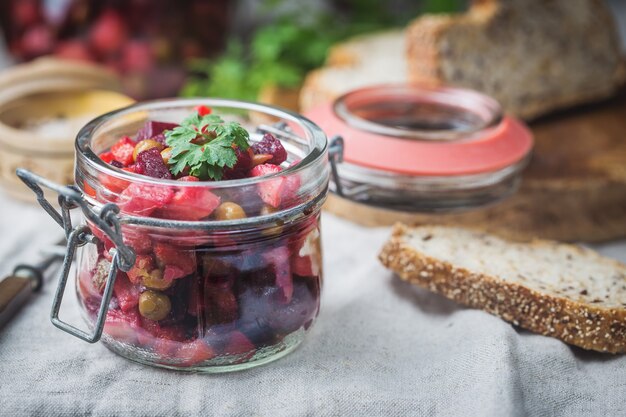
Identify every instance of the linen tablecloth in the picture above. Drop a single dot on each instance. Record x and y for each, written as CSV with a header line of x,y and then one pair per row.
x,y
380,347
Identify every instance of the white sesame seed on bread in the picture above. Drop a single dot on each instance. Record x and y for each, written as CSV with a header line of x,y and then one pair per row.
x,y
555,289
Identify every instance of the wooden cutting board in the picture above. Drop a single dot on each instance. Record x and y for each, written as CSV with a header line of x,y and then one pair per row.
x,y
574,188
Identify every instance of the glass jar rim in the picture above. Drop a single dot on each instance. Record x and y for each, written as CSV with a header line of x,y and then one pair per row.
x,y
84,151
484,108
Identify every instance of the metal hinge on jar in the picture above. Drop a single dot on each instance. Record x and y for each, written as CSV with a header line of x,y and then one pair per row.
x,y
107,220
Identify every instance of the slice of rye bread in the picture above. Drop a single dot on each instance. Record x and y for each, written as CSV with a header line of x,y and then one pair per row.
x,y
554,289
534,56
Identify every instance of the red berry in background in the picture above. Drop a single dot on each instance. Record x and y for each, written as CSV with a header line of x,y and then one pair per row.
x,y
190,49
137,56
269,145
25,12
37,41
108,33
73,49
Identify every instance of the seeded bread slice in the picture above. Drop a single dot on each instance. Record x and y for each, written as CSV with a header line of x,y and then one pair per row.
x,y
534,56
554,289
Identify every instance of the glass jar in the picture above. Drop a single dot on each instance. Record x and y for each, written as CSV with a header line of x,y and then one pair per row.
x,y
189,292
421,149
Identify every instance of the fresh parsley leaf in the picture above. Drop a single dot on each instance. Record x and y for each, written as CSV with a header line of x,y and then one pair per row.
x,y
206,145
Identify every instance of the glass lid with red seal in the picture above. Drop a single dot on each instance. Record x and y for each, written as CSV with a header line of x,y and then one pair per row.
x,y
423,148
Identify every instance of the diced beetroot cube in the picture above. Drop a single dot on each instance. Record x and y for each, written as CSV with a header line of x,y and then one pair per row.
x,y
122,326
287,318
222,305
190,203
176,333
289,191
177,263
239,344
144,199
154,332
279,259
276,191
172,272
123,150
307,258
153,128
127,294
107,157
89,190
264,169
140,242
192,353
150,163
167,342
269,145
194,305
148,331
304,266
114,184
269,191
143,265
241,167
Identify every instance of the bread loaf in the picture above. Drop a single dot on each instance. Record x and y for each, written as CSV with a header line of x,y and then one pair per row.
x,y
554,289
534,56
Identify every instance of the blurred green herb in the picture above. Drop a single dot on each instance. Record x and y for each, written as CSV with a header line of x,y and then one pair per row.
x,y
442,6
282,52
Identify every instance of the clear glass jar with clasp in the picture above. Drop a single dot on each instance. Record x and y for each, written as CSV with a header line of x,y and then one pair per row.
x,y
200,295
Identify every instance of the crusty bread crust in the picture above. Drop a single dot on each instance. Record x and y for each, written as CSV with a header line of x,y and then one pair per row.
x,y
579,324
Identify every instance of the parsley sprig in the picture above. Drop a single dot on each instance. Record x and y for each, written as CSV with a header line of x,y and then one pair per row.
x,y
206,145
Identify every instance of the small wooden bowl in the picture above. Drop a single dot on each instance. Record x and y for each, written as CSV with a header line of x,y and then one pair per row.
x,y
48,89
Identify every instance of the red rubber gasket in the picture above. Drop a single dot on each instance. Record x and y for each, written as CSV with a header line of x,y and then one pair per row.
x,y
490,150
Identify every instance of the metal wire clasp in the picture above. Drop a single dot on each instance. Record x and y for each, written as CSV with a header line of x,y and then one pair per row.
x,y
106,220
